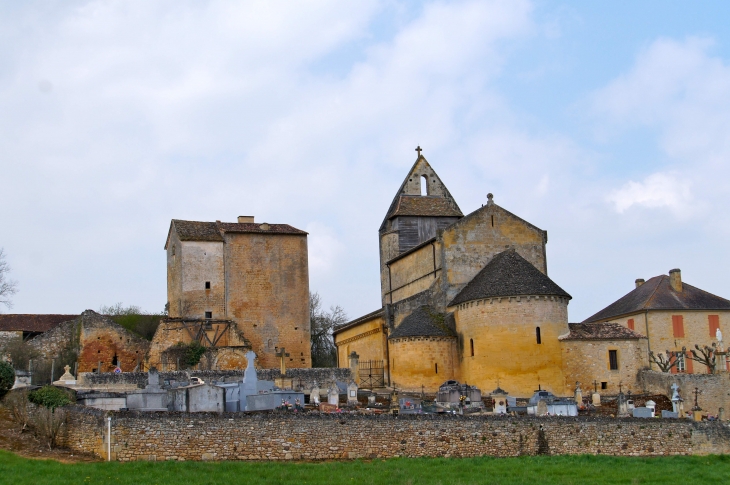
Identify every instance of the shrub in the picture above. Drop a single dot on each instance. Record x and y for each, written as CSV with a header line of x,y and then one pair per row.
x,y
7,377
17,403
50,397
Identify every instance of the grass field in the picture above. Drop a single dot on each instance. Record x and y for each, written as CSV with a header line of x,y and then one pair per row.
x,y
530,470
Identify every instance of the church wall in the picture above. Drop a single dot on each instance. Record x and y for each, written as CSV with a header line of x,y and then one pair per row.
x,y
267,283
202,262
415,272
388,251
367,339
586,361
472,242
505,343
696,324
413,362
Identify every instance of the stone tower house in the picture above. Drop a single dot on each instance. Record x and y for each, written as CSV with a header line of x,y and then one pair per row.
x,y
250,280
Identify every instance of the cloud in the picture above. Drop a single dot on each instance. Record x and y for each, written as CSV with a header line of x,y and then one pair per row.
x,y
657,190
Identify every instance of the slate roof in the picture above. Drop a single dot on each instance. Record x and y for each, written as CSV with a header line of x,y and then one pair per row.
x,y
424,321
213,231
32,322
508,274
419,205
352,323
657,294
600,331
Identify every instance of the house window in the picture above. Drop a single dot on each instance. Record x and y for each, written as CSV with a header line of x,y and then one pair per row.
x,y
424,185
613,359
604,385
209,315
678,326
207,285
681,363
537,335
714,324
630,324
471,344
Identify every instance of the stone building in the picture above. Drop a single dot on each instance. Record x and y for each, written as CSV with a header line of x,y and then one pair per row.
x,y
670,314
100,343
237,287
469,298
27,326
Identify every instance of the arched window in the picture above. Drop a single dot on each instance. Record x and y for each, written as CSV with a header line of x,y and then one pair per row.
x,y
424,185
471,344
537,334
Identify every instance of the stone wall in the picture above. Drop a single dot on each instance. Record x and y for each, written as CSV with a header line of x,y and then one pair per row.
x,y
275,436
714,388
423,361
307,377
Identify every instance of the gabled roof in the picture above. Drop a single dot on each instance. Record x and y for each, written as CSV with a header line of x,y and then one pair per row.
x,y
437,206
424,321
213,231
32,322
353,323
658,294
600,331
508,274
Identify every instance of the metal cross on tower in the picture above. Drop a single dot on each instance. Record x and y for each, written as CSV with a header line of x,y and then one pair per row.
x,y
282,354
419,150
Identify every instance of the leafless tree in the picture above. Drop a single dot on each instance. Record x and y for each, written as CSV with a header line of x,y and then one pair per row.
x,y
324,352
665,364
8,287
704,355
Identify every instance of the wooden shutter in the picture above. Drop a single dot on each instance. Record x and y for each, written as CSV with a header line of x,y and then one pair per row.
x,y
678,326
673,370
688,362
714,324
631,323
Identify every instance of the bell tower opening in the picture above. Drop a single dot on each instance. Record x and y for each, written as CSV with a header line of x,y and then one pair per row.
x,y
424,185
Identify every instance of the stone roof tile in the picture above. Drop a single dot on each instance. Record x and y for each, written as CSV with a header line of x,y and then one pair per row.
x,y
424,321
600,331
32,322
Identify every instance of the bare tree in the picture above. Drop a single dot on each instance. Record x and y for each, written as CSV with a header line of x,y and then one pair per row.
x,y
665,364
704,355
7,287
324,351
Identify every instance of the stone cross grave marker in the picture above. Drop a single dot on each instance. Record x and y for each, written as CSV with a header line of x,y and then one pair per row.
x,y
282,354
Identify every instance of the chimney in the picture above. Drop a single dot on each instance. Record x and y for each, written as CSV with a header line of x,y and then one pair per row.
x,y
640,282
675,279
245,219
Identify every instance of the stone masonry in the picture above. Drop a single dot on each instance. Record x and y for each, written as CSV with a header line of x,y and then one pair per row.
x,y
275,436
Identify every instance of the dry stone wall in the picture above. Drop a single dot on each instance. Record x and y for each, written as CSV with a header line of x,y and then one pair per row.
x,y
714,388
278,436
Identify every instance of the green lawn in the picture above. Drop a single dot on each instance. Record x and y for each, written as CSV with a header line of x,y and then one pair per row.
x,y
530,470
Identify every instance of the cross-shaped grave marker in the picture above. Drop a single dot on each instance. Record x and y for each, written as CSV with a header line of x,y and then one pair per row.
x,y
282,354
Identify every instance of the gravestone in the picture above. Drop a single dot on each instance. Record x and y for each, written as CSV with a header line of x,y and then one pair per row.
x,y
333,394
542,408
643,413
314,395
22,379
67,379
578,394
669,414
596,399
352,394
152,397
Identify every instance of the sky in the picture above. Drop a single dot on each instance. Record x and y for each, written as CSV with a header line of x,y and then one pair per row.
x,y
606,123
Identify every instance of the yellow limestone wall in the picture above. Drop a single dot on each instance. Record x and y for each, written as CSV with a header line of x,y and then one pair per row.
x,y
586,361
413,362
415,272
505,344
367,339
661,332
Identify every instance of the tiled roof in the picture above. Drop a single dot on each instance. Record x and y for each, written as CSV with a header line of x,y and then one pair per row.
x,y
424,321
32,322
213,231
657,294
352,323
600,331
508,274
415,205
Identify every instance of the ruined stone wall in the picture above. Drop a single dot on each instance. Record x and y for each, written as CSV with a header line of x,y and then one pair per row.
x,y
7,336
473,241
423,361
307,377
415,272
103,340
505,343
714,388
51,343
587,361
274,436
267,281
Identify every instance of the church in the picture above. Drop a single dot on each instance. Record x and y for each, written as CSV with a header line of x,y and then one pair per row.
x,y
468,297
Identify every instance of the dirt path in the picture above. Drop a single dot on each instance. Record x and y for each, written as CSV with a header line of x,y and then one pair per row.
x,y
26,445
